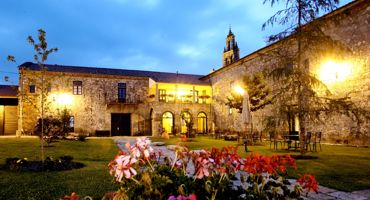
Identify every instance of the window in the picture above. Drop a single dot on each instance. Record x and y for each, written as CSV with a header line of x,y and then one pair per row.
x,y
77,87
162,95
32,88
196,96
202,123
168,122
121,92
204,96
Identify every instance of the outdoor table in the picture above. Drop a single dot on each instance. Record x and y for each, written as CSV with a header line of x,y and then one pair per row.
x,y
292,138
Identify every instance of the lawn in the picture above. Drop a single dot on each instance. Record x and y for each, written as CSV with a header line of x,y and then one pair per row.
x,y
343,168
340,167
93,180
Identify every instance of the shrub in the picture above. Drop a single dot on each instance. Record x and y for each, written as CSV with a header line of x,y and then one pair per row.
x,y
82,138
49,164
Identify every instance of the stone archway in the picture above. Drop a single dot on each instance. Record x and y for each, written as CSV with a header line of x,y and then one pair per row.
x,y
202,123
168,122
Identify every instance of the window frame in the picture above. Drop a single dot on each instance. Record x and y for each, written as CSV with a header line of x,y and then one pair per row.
x,y
77,88
32,88
122,92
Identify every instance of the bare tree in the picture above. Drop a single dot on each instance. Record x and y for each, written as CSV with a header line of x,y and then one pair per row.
x,y
41,55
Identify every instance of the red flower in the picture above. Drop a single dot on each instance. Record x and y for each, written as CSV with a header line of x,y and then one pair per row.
x,y
256,163
72,197
308,182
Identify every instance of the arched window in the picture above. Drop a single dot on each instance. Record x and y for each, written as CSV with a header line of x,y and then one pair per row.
x,y
202,123
167,122
185,118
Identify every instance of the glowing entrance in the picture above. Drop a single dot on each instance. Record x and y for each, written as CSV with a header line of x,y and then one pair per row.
x,y
167,122
202,123
185,116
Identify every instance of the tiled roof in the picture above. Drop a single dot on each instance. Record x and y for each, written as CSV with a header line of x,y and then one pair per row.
x,y
8,90
163,77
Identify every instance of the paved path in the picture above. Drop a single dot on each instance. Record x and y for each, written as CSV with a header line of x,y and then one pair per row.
x,y
325,193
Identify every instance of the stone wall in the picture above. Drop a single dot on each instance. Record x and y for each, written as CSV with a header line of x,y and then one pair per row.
x,y
176,109
91,110
352,30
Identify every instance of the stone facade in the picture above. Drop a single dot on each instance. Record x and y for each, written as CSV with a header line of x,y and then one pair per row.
x,y
145,96
352,29
92,109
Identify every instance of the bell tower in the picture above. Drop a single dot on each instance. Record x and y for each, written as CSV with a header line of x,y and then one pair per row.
x,y
231,51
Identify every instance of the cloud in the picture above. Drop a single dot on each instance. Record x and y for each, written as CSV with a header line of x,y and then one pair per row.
x,y
147,4
188,51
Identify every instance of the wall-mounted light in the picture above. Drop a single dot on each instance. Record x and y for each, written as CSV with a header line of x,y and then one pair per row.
x,y
239,90
64,99
332,71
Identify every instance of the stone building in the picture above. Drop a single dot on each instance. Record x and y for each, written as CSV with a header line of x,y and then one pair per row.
x,y
130,102
349,25
114,101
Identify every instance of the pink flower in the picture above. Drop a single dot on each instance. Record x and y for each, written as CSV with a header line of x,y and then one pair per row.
x,y
123,167
183,197
202,164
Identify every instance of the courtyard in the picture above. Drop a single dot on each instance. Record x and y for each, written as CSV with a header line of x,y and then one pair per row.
x,y
343,168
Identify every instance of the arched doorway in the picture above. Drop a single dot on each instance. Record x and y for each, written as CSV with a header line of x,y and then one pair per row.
x,y
185,118
167,122
202,123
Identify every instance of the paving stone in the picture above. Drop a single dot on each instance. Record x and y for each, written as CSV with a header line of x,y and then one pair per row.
x,y
346,195
364,193
323,189
321,196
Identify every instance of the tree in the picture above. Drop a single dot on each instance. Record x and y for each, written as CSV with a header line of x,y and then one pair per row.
x,y
41,55
258,90
297,89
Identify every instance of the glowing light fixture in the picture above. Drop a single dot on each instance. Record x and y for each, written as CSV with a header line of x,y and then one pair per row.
x,y
64,99
331,71
239,90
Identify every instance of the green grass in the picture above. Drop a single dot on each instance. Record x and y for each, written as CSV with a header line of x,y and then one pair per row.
x,y
338,167
93,180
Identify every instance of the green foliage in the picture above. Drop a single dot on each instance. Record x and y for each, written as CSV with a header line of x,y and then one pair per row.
x,y
50,164
295,14
189,123
53,127
258,90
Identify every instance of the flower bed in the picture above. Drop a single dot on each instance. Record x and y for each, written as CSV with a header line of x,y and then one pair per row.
x,y
49,164
143,173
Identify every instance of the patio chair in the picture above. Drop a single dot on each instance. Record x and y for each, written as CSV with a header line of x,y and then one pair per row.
x,y
257,136
316,140
307,141
274,140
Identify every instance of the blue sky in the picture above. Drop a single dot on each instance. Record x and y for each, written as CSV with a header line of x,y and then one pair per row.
x,y
157,35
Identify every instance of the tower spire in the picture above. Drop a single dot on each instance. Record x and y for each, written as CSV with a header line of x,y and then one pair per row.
x,y
231,51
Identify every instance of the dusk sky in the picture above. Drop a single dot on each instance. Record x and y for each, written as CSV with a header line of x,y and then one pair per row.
x,y
155,35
